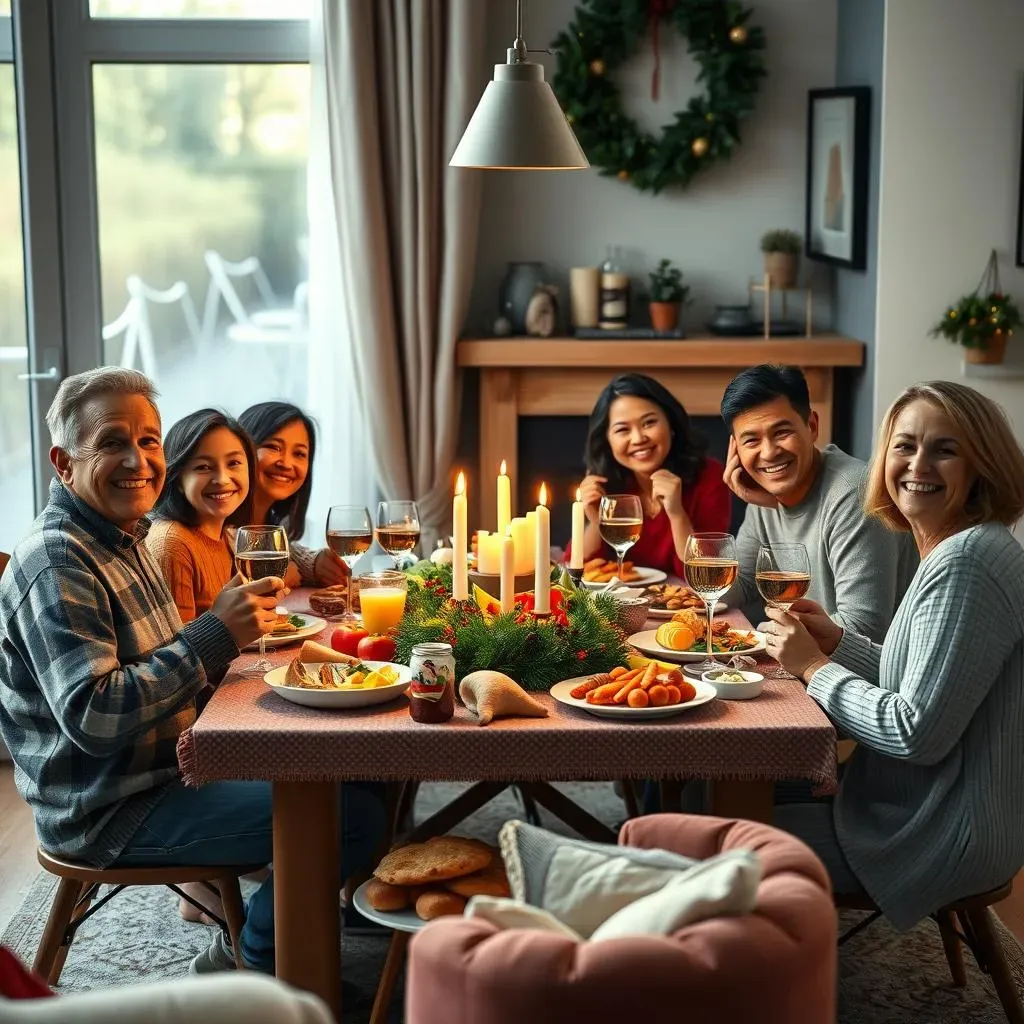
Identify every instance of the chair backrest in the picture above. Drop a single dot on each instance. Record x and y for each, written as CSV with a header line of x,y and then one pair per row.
x,y
221,273
4,559
178,292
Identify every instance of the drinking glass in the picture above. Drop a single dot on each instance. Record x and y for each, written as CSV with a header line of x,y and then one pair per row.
x,y
261,551
398,528
782,573
620,520
382,600
711,568
349,536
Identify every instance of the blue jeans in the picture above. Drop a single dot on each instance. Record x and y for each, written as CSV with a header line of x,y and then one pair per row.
x,y
230,823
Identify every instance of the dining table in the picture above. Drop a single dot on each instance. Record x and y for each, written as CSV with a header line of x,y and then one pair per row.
x,y
248,731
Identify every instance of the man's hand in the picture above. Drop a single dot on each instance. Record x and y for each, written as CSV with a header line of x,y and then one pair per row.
x,y
591,493
248,610
329,569
667,488
739,481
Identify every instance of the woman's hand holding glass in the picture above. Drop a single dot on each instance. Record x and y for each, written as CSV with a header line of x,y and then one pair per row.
x,y
791,644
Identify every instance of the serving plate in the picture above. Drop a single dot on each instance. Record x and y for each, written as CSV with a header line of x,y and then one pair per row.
x,y
339,699
667,613
561,693
312,625
642,578
645,641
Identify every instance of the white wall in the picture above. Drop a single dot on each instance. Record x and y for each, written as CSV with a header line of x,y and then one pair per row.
x,y
949,182
711,229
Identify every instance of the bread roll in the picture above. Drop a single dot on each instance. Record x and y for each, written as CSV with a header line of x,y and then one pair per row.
x,y
382,896
437,903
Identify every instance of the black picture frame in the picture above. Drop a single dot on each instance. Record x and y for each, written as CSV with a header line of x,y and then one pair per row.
x,y
838,169
1019,260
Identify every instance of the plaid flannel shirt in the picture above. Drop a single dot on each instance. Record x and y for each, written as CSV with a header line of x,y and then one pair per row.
x,y
98,678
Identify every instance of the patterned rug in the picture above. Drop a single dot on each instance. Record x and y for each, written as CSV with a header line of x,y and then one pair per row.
x,y
885,977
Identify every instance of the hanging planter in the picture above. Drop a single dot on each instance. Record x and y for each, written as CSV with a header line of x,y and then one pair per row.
x,y
983,321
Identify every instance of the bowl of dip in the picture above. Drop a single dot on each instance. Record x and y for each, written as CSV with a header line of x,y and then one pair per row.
x,y
734,683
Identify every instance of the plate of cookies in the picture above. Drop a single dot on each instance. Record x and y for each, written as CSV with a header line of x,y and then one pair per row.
x,y
599,572
651,691
418,882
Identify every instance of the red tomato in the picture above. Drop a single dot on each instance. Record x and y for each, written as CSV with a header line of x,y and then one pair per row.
x,y
345,639
376,648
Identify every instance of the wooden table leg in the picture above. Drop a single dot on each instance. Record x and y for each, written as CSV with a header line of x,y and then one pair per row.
x,y
389,976
307,872
752,799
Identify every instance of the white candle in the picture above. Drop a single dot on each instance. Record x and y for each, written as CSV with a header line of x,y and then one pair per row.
x,y
578,523
521,540
486,564
460,538
508,577
531,540
542,557
504,501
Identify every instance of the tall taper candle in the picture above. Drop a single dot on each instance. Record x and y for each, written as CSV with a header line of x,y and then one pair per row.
x,y
460,539
542,557
504,501
578,524
508,572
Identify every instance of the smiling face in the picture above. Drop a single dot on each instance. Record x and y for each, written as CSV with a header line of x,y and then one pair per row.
x,y
215,480
639,434
927,473
118,467
283,461
776,448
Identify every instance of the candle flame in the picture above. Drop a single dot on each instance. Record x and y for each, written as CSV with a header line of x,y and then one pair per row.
x,y
543,500
503,471
579,494
460,483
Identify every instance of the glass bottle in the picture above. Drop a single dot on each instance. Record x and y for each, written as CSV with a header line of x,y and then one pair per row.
x,y
613,311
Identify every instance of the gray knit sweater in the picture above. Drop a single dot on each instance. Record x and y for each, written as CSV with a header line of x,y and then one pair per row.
x,y
929,808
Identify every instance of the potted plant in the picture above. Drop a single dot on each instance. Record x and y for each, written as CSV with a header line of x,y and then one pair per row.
x,y
781,250
668,293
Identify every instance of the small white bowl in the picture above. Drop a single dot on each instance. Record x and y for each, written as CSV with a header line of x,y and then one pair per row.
x,y
753,683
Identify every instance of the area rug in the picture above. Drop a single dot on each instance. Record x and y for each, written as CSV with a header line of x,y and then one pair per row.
x,y
885,977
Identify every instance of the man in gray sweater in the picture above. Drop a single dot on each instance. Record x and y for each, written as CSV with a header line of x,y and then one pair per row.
x,y
796,492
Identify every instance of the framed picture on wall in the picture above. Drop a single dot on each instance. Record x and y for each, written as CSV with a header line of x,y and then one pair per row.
x,y
838,136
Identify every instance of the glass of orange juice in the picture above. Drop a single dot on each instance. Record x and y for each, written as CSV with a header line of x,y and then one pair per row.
x,y
382,600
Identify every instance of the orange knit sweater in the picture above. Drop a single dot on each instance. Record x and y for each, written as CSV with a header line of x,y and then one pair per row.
x,y
195,566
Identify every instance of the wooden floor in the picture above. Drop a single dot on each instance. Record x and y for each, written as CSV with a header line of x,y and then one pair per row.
x,y
18,864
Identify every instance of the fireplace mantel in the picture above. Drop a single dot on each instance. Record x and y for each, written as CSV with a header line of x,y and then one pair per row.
x,y
563,377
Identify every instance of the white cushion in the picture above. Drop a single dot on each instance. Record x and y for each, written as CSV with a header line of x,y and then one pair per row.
x,y
504,913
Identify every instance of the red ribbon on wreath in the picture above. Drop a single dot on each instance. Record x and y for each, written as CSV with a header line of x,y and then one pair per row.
x,y
656,10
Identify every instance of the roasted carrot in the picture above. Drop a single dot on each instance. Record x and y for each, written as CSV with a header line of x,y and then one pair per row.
x,y
650,674
592,683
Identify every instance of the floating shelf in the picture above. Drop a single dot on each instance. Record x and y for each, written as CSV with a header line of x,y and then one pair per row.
x,y
994,371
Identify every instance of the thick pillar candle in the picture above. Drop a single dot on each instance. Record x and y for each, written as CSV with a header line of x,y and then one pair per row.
x,y
578,524
522,540
542,557
460,539
508,574
504,501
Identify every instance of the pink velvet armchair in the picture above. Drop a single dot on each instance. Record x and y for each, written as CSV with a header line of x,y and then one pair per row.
x,y
774,966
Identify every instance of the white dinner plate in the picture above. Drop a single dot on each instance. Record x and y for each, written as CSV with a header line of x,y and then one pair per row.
x,y
667,613
312,625
643,578
397,920
561,693
647,643
339,698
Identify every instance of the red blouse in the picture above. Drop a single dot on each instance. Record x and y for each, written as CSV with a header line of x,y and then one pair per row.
x,y
708,503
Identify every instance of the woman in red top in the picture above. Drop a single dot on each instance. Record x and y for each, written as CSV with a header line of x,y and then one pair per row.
x,y
640,442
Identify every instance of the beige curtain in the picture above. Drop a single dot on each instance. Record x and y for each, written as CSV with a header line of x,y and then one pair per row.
x,y
403,78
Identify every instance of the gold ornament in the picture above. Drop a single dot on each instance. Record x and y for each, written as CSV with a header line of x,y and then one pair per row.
x,y
994,309
952,314
709,118
597,67
623,175
738,35
699,146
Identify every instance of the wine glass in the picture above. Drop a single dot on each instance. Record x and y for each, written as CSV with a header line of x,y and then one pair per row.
x,y
782,573
711,568
620,520
349,535
398,528
261,551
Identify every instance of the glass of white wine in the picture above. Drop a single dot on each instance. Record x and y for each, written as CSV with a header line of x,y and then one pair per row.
x,y
261,551
398,528
349,536
782,573
711,568
620,520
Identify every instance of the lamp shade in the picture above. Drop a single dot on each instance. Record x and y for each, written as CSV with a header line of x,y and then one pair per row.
x,y
518,125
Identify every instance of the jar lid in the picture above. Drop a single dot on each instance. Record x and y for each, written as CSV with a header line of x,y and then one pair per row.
x,y
432,648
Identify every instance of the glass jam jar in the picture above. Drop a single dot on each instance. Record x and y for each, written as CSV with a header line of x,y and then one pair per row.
x,y
432,691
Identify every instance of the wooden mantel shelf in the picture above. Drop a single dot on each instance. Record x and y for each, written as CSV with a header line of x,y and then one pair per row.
x,y
513,353
564,376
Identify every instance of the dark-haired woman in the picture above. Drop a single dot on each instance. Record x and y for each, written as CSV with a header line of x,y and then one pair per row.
x,y
285,439
210,465
640,442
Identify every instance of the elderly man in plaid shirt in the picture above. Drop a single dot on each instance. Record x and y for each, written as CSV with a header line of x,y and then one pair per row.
x,y
98,677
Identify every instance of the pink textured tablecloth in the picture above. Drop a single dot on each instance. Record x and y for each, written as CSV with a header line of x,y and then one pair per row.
x,y
249,732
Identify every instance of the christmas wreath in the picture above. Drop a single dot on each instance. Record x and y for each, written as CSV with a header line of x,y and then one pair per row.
x,y
580,636
605,33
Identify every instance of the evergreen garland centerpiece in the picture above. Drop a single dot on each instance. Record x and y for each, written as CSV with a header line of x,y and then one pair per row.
x,y
604,34
579,637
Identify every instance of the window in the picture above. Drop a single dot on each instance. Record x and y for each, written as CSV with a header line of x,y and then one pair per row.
x,y
250,9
